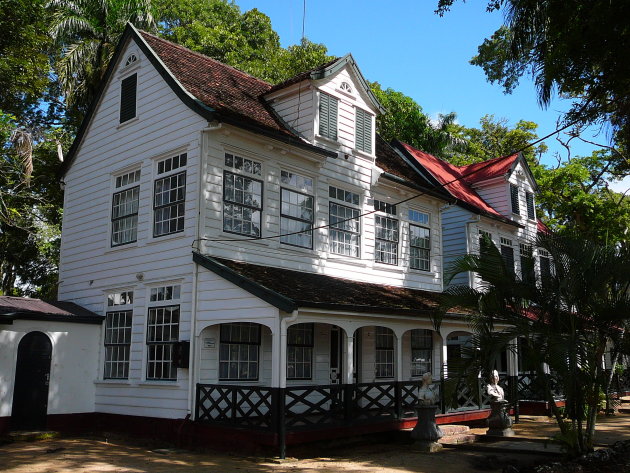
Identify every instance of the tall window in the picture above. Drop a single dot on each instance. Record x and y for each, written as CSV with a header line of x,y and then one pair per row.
x,y
125,208
516,208
363,131
300,351
297,210
328,106
531,211
485,239
242,196
545,266
169,196
508,254
128,89
384,362
345,225
386,230
419,241
527,263
421,350
239,351
162,332
118,320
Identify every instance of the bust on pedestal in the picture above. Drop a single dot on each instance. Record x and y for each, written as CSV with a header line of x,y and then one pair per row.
x,y
426,433
499,422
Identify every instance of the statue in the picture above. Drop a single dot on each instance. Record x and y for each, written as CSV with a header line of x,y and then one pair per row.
x,y
493,389
426,433
426,396
499,422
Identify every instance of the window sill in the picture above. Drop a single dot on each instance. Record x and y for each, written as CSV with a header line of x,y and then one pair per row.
x,y
128,122
363,154
171,236
127,246
392,268
160,384
113,382
332,257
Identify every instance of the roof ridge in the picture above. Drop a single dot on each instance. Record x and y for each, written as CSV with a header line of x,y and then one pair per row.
x,y
497,159
196,53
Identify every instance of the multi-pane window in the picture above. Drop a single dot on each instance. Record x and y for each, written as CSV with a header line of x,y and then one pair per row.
x,y
531,211
242,196
125,208
527,263
120,298
117,344
300,351
516,208
384,361
363,131
328,106
162,333
239,351
485,239
128,88
386,232
507,252
296,210
169,197
421,350
165,293
419,248
545,266
345,225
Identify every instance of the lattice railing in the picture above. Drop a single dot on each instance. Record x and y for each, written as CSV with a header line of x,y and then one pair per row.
x,y
242,405
314,405
375,400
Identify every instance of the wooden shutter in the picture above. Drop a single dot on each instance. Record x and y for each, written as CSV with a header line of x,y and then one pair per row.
x,y
128,87
531,213
327,116
363,131
514,198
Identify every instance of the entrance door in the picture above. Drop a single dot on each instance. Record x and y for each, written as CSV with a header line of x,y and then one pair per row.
x,y
336,357
32,376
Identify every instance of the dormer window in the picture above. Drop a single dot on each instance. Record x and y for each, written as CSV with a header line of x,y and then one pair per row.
x,y
345,87
363,131
328,109
531,211
131,59
516,208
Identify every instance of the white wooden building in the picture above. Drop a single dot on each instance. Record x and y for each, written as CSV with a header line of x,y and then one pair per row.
x,y
261,257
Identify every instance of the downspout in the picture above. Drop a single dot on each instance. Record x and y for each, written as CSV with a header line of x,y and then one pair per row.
x,y
193,316
282,382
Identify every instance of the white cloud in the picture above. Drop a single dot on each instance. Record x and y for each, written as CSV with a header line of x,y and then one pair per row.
x,y
621,186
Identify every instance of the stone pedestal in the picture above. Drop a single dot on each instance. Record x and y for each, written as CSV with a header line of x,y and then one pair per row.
x,y
499,422
426,433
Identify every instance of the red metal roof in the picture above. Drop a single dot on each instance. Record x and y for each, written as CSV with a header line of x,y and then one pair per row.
x,y
452,178
489,169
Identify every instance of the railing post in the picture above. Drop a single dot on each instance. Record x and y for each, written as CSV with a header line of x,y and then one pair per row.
x,y
278,419
233,406
348,401
513,380
442,393
197,399
480,392
398,399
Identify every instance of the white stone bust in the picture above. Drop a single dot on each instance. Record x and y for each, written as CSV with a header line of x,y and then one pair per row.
x,y
426,397
494,390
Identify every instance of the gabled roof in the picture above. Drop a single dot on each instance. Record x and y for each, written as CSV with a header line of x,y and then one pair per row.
x,y
210,88
489,169
12,308
290,290
328,69
453,179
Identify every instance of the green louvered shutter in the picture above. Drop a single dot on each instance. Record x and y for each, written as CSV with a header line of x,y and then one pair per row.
x,y
363,131
128,88
327,116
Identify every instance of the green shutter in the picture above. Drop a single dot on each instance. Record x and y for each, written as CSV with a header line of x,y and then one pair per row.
x,y
128,88
363,131
328,116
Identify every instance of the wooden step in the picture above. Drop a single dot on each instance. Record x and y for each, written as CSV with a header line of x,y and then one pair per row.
x,y
451,429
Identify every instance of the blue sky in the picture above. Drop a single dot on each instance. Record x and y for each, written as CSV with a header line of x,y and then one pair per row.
x,y
404,45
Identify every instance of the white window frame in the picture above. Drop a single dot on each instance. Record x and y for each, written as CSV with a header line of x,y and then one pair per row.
x,y
422,220
386,233
170,303
292,183
334,232
418,368
255,173
177,172
384,353
123,182
118,302
300,353
250,346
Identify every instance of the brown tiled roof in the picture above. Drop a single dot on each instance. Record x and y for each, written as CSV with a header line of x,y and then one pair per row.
x,y
227,90
326,292
302,76
27,308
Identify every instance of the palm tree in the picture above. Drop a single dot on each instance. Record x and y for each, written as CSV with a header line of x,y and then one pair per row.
x,y
565,320
88,32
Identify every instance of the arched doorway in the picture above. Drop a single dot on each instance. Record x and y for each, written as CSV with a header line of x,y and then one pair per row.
x,y
32,376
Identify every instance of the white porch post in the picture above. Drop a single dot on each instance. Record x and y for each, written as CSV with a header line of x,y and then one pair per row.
x,y
348,362
512,358
279,356
444,358
399,357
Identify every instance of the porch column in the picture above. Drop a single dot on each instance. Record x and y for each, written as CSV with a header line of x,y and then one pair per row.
x,y
348,361
399,357
444,357
512,358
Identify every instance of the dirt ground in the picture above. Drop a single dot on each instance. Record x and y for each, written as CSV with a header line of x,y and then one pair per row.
x,y
94,455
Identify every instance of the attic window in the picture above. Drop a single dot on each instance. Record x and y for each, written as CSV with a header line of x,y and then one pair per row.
x,y
128,87
131,59
345,87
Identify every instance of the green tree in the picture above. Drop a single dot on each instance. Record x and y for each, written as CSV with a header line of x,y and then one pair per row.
x,y
87,32
295,59
404,120
569,46
565,321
